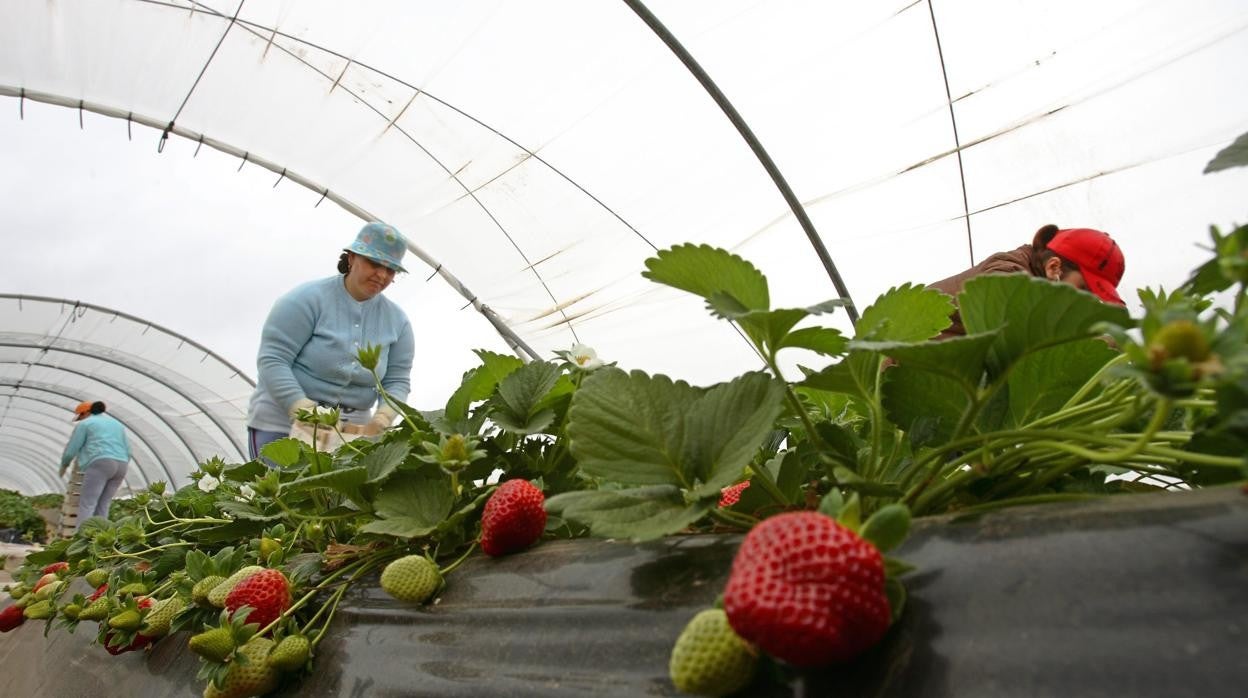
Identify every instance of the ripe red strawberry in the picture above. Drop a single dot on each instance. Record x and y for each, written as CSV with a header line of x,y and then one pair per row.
x,y
267,592
807,590
11,617
56,567
731,494
100,591
513,519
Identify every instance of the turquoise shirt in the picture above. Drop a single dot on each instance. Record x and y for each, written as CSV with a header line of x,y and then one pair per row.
x,y
95,437
308,350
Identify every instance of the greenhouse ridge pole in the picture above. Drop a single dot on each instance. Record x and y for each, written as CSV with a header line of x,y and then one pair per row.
x,y
768,164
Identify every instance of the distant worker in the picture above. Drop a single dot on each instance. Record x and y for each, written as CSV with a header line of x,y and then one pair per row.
x,y
309,343
1087,259
99,443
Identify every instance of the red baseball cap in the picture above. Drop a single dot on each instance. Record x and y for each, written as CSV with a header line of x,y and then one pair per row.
x,y
1098,257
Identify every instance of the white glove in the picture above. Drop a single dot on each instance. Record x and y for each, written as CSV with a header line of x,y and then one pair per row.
x,y
380,422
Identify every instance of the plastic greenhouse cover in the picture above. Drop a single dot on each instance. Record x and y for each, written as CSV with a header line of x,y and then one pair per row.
x,y
535,154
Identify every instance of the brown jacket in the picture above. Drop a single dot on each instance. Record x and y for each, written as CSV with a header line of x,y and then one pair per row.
x,y
1019,261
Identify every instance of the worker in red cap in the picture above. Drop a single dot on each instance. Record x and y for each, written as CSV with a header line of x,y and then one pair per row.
x,y
1087,259
100,446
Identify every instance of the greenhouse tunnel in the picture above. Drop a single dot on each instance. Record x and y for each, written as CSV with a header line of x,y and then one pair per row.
x,y
536,155
180,402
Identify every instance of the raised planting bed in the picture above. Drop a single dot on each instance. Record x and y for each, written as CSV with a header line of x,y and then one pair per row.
x,y
1125,596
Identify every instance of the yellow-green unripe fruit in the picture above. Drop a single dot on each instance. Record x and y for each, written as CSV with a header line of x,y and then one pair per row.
x,y
414,578
1179,339
709,659
290,654
199,593
158,620
39,610
216,597
96,577
253,677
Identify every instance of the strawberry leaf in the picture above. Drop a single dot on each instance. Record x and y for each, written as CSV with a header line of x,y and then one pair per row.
x,y
705,271
887,527
629,427
1031,314
640,514
479,383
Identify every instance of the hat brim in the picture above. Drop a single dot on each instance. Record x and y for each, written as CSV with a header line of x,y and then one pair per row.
x,y
388,263
1103,289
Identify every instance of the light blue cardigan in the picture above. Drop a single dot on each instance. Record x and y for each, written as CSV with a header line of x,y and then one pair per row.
x,y
95,437
308,349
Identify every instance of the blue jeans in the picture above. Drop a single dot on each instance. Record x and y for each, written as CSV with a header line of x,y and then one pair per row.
x,y
100,481
257,439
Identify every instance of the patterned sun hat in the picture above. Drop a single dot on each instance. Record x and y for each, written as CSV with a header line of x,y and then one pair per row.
x,y
381,243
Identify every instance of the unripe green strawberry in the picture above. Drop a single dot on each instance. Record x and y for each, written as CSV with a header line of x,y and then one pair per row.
x,y
126,620
39,610
215,644
268,546
96,577
26,600
216,597
96,610
17,591
709,659
46,580
413,578
133,588
290,654
156,624
71,611
49,590
199,593
251,678
1180,339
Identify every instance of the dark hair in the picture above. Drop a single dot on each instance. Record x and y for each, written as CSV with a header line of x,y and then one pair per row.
x,y
343,267
1040,248
97,407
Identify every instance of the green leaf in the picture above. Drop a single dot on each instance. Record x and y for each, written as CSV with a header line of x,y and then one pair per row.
x,y
479,383
629,427
850,515
525,387
958,358
705,271
725,427
896,593
832,503
906,313
639,514
887,527
227,533
1233,155
347,481
246,472
380,462
854,375
853,481
1042,382
1031,314
822,340
244,510
926,405
535,424
415,501
284,452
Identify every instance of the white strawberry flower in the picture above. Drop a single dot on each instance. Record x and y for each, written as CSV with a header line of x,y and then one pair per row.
x,y
584,357
208,483
247,493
